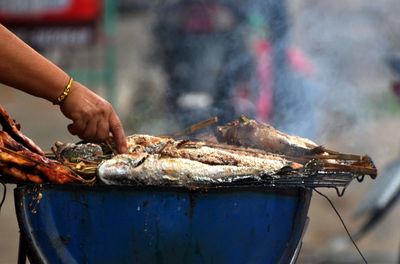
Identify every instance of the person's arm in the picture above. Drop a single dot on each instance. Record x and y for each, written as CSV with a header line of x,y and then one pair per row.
x,y
23,68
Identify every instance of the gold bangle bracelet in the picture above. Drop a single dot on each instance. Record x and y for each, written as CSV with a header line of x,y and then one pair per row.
x,y
66,91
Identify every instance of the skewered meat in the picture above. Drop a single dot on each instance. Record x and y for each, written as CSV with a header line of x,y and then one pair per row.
x,y
13,129
249,133
19,162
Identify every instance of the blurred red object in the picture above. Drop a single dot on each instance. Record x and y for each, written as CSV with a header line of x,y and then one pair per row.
x,y
49,12
206,18
396,89
298,62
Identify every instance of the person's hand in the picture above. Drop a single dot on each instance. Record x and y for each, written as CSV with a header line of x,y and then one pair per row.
x,y
93,117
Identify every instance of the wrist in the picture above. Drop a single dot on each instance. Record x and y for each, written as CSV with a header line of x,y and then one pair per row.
x,y
76,90
65,93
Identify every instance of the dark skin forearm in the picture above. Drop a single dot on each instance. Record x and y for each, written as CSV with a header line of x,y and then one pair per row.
x,y
21,67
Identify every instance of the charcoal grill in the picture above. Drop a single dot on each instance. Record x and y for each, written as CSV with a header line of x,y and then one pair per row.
x,y
253,220
155,224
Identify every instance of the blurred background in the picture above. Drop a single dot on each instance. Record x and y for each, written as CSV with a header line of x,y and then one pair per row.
x,y
326,70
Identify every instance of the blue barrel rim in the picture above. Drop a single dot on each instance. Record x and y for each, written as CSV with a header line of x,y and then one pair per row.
x,y
288,256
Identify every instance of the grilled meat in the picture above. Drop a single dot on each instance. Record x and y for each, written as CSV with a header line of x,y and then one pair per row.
x,y
155,160
13,129
249,133
22,160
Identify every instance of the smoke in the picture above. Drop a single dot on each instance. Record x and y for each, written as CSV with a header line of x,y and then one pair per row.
x,y
347,43
323,92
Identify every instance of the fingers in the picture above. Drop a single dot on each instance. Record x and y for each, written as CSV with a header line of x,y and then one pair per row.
x,y
118,133
93,117
90,131
98,129
103,131
77,127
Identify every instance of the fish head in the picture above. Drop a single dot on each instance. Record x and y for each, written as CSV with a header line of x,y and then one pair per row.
x,y
119,167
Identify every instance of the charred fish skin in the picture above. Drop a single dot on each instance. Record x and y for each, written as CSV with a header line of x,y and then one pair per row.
x,y
164,161
185,163
119,168
249,133
77,152
147,143
155,170
204,153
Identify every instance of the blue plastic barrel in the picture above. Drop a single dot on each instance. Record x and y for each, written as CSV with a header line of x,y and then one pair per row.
x,y
114,224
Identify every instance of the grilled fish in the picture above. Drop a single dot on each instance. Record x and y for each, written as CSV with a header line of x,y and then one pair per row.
x,y
249,133
159,160
269,157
